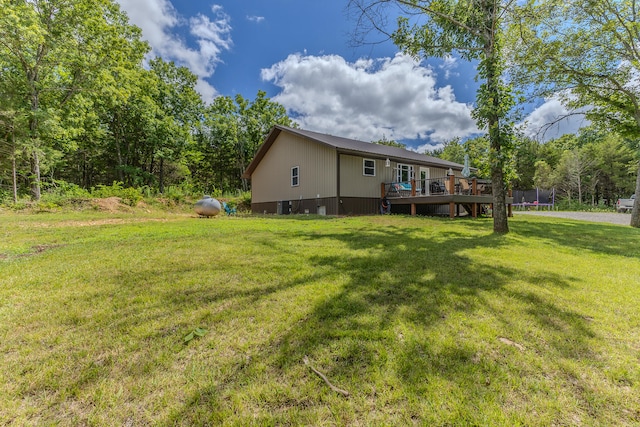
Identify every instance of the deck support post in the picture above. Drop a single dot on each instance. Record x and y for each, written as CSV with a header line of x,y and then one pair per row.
x,y
413,209
452,210
452,183
382,188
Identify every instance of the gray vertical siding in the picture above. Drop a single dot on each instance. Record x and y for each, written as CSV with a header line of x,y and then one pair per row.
x,y
353,182
319,179
271,181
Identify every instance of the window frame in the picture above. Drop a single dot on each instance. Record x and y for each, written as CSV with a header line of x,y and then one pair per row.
x,y
295,178
403,168
365,167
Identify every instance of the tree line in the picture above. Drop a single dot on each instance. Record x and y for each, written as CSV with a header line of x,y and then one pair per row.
x,y
592,168
584,53
80,102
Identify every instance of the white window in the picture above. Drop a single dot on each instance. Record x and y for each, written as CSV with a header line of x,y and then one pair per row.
x,y
368,167
405,173
295,176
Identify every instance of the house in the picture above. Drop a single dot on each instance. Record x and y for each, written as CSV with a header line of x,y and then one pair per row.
x,y
299,171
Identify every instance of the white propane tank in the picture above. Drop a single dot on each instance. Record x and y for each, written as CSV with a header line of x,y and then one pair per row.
x,y
207,206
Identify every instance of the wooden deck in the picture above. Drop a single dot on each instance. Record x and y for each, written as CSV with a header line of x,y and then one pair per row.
x,y
472,197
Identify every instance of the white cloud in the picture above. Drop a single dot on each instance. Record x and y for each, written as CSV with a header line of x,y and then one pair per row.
x,y
429,148
163,27
395,97
256,19
449,64
552,120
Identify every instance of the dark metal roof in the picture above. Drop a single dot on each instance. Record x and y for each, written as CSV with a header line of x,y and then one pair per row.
x,y
351,146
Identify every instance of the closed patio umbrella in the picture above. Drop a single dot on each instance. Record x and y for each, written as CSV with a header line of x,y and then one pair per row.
x,y
466,172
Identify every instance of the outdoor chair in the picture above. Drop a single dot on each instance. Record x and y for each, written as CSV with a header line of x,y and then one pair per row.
x,y
465,188
449,186
229,210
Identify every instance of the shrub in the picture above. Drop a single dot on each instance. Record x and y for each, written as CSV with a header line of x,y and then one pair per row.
x,y
6,197
130,196
574,205
176,194
244,201
65,189
57,193
104,191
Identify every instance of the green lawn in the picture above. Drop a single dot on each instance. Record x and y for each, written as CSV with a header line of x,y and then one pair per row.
x,y
422,320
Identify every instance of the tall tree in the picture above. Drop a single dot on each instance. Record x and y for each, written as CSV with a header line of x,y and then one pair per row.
x,y
478,150
178,112
9,126
543,177
233,130
473,30
53,49
587,54
525,159
572,171
612,161
452,150
389,142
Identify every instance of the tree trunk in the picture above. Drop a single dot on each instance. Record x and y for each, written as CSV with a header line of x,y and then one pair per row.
x,y
13,168
161,176
499,190
116,139
35,175
33,129
492,101
85,171
579,190
635,212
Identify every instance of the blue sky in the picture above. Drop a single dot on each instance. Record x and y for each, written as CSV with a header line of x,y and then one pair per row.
x,y
301,53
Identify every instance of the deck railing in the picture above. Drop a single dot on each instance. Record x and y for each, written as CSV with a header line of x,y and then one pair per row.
x,y
436,187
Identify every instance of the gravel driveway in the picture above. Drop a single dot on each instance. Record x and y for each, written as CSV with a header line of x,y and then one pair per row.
x,y
610,217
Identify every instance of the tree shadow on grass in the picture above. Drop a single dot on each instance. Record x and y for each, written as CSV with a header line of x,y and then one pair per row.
x,y
405,300
408,303
582,236
425,280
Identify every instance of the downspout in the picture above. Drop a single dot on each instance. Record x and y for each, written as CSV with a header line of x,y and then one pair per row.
x,y
338,201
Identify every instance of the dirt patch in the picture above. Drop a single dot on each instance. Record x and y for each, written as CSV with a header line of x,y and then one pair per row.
x,y
97,222
93,222
110,204
41,248
37,249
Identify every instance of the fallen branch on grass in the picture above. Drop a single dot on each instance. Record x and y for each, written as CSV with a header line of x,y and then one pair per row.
x,y
507,341
321,375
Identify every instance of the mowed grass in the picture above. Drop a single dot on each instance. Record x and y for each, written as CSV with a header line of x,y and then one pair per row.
x,y
423,321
